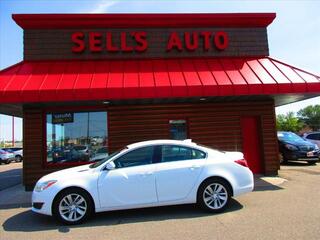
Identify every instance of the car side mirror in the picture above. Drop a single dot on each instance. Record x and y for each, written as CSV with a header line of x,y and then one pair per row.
x,y
110,166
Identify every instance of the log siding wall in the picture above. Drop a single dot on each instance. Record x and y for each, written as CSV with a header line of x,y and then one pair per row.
x,y
212,124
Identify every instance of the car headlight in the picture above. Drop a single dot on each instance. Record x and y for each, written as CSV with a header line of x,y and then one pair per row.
x,y
291,147
44,185
316,147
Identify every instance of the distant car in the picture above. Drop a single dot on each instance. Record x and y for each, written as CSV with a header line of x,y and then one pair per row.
x,y
313,137
6,156
100,154
145,174
295,148
66,155
85,151
17,151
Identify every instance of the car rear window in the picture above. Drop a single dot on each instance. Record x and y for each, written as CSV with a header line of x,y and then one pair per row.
x,y
314,136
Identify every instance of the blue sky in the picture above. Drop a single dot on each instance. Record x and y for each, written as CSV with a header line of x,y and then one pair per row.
x,y
294,37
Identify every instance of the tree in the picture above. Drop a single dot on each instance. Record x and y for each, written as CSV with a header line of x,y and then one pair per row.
x,y
288,122
310,116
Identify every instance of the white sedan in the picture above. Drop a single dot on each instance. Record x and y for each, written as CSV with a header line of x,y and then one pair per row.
x,y
145,174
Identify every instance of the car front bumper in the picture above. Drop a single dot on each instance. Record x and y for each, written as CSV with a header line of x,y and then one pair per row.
x,y
10,159
302,156
42,202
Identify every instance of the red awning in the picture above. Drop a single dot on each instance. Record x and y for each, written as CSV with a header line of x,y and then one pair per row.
x,y
47,81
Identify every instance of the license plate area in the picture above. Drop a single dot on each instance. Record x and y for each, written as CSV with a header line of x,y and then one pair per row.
x,y
310,154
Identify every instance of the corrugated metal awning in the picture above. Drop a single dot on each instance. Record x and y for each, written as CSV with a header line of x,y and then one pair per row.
x,y
47,81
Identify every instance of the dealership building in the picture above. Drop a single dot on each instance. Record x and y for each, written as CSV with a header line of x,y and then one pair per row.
x,y
90,84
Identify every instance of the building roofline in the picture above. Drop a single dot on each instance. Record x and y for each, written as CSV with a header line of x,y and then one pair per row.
x,y
127,20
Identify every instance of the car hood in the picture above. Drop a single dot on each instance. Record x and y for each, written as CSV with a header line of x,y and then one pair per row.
x,y
67,173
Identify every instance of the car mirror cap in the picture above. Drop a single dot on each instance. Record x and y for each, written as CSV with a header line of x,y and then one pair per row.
x,y
110,166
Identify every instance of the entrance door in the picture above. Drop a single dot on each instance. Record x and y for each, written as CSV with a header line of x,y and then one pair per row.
x,y
251,143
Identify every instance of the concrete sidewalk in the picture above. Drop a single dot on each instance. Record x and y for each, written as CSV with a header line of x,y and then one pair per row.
x,y
15,197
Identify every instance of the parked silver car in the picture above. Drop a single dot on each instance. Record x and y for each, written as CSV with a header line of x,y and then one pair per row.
x,y
17,151
313,137
6,157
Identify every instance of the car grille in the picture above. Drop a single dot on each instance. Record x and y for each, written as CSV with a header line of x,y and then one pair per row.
x,y
306,148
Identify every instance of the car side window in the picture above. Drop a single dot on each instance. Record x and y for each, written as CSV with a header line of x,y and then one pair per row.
x,y
197,154
171,153
313,136
137,157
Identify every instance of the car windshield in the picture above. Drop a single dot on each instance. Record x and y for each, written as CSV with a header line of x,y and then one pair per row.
x,y
289,137
99,163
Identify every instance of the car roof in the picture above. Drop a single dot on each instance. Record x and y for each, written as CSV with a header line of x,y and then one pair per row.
x,y
187,142
308,133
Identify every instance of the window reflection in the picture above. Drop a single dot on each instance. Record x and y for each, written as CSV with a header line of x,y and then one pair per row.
x,y
76,137
178,129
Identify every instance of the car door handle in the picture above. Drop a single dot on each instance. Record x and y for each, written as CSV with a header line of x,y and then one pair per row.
x,y
146,174
193,167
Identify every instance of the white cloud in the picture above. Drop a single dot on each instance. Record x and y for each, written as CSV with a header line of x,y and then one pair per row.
x,y
103,6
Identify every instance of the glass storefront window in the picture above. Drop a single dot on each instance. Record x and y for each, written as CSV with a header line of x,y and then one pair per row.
x,y
75,137
178,129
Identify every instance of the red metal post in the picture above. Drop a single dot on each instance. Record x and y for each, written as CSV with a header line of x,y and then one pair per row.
x,y
12,131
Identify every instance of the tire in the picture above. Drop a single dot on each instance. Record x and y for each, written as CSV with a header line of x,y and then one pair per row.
x,y
282,159
311,162
7,161
214,195
72,214
18,158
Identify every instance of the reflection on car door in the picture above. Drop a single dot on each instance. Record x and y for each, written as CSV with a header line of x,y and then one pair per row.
x,y
131,183
177,172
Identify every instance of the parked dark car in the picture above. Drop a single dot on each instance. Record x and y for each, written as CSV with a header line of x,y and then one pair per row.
x,y
294,148
66,154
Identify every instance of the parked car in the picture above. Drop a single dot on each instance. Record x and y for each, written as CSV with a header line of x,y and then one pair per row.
x,y
85,151
145,174
17,151
295,148
6,157
313,137
67,154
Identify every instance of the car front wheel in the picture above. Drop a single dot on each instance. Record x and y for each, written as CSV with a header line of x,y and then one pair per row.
x,y
214,195
72,206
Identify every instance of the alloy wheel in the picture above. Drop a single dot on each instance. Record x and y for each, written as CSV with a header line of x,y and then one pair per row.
x,y
73,207
215,196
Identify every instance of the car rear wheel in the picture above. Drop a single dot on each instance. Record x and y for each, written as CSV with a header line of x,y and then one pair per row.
x,y
214,195
311,162
18,158
72,206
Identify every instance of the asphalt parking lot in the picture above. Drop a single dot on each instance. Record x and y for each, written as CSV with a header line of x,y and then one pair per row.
x,y
10,175
277,209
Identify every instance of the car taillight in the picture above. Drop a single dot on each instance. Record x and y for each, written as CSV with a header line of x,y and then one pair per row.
x,y
242,162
